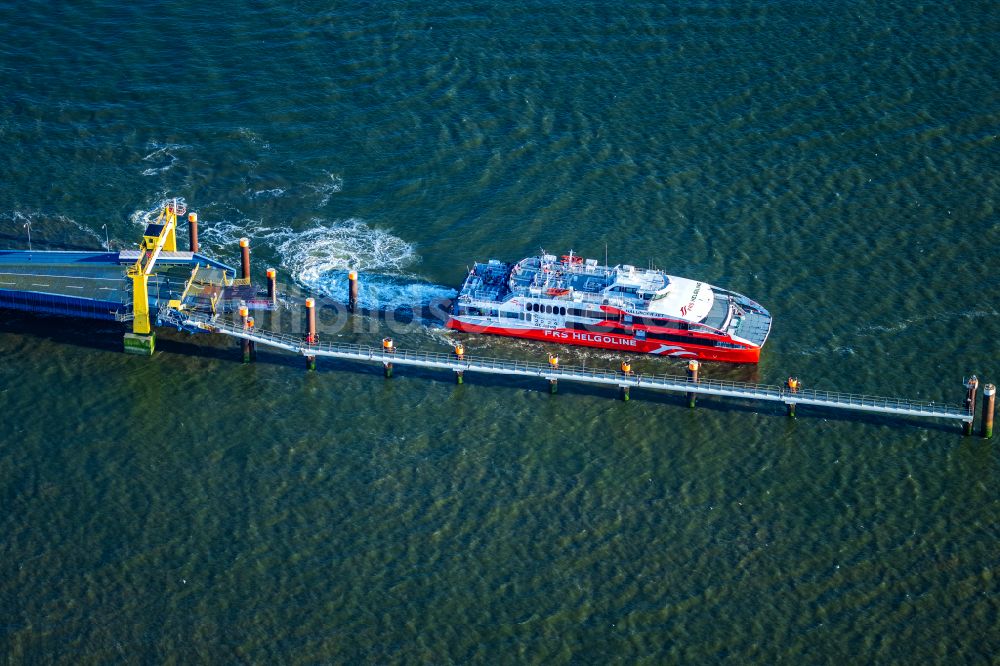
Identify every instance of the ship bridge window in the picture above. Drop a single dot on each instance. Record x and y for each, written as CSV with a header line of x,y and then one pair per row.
x,y
548,309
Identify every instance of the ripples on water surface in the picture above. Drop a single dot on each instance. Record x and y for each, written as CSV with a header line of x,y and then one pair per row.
x,y
837,162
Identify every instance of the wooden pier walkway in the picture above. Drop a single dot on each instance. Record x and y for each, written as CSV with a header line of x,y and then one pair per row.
x,y
671,383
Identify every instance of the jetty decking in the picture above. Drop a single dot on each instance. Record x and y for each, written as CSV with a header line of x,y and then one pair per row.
x,y
671,383
90,285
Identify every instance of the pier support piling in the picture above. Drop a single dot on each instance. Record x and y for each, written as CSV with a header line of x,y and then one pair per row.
x,y
193,231
253,345
553,386
272,286
244,343
311,331
460,355
352,291
989,404
971,385
245,257
388,347
692,373
137,343
623,391
793,387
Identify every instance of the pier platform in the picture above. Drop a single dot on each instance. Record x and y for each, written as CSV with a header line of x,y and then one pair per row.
x,y
196,321
90,285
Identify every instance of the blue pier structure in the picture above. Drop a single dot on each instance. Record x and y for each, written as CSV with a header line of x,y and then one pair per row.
x,y
92,285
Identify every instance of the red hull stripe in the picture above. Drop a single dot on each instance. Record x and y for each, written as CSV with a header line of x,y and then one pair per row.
x,y
616,342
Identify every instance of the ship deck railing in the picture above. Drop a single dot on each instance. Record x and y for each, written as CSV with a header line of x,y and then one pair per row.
x,y
664,382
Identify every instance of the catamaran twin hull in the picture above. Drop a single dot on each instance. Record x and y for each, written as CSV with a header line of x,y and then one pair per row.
x,y
572,301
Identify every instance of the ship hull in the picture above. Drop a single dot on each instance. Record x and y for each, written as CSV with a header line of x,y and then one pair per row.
x,y
616,342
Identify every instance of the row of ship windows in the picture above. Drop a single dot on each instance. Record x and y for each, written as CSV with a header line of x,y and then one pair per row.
x,y
552,309
563,311
598,314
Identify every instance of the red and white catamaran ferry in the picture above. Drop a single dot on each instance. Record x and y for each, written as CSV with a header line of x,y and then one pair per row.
x,y
574,301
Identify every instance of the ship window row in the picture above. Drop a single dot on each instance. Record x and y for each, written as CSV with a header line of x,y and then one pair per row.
x,y
640,334
488,312
546,309
627,319
596,314
564,311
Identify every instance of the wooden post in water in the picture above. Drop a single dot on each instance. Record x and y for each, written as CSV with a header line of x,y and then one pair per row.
x,y
692,372
193,231
352,290
989,404
244,343
793,387
245,257
388,347
970,404
311,334
272,286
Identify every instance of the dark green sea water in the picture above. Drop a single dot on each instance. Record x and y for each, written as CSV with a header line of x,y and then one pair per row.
x,y
838,162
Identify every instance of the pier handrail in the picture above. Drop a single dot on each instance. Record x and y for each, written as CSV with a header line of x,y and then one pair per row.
x,y
665,381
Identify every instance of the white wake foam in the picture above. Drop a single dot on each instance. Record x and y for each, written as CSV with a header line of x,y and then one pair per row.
x,y
272,193
327,187
143,216
319,257
164,155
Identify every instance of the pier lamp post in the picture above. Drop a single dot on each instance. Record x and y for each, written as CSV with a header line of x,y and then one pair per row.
x,y
107,242
27,225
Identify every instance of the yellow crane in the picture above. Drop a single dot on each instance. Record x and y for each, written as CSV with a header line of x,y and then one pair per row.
x,y
159,236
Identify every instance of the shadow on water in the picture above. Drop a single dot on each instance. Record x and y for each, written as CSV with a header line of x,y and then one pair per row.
x,y
84,333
